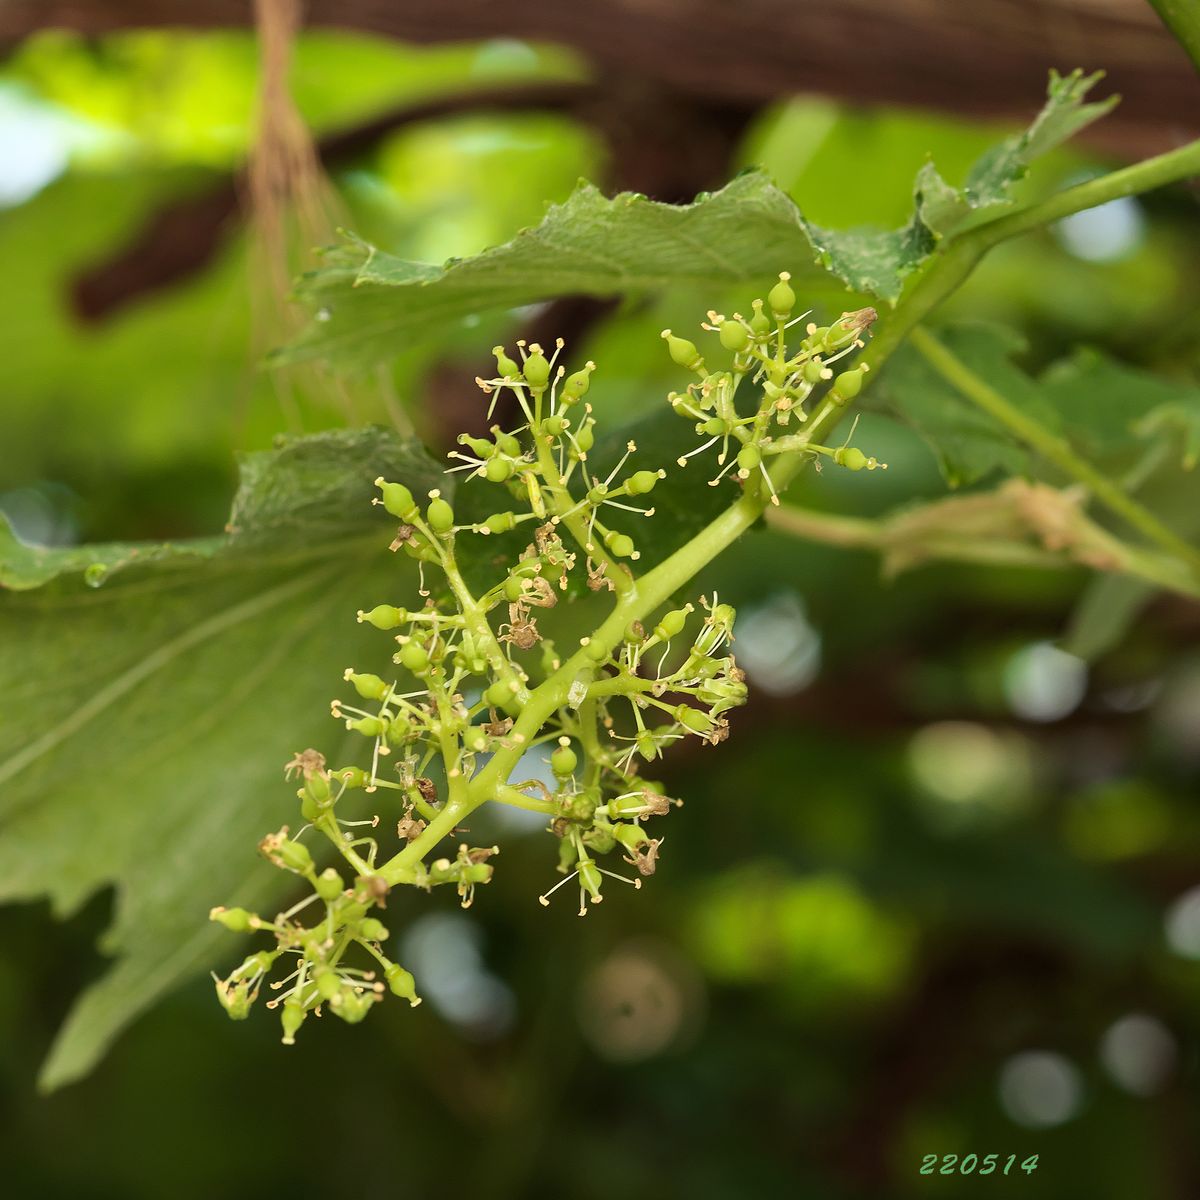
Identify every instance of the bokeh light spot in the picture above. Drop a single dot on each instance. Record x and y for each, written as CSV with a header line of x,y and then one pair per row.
x,y
777,647
1106,233
639,1001
969,771
1044,683
1139,1052
1040,1089
1183,924
443,950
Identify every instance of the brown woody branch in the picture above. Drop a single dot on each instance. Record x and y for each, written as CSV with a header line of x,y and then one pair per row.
x,y
980,58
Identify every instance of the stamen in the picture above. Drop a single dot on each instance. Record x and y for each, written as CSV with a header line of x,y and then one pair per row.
x,y
762,466
544,899
635,883
630,447
291,912
682,459
724,471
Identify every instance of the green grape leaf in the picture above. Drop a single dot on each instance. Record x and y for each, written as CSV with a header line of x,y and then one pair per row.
x,y
1114,415
873,262
944,210
144,723
878,262
367,304
967,443
1110,409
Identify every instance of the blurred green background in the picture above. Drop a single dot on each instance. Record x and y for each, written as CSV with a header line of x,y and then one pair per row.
x,y
939,893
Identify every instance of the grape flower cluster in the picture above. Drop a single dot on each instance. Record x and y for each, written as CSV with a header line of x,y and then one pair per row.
x,y
478,686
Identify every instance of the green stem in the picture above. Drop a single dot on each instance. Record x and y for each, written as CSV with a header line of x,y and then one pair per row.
x,y
562,502
476,620
890,536
957,258
1049,445
509,795
1182,18
948,268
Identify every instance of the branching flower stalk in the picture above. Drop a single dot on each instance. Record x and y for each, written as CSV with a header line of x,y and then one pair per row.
x,y
481,687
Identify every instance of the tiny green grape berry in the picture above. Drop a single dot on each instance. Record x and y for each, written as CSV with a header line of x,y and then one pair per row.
x,y
397,499
694,719
414,657
310,810
291,1018
576,385
589,879
781,298
632,837
748,459
537,369
327,982
329,885
497,470
372,930
514,589
671,624
294,855
236,920
369,687
716,427
596,650
734,335
620,545
384,616
317,786
847,385
350,777
367,726
564,760
402,983
642,482
439,514
683,353
585,438
499,695
760,323
500,522
813,371
506,367
507,443
851,458
479,446
555,425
